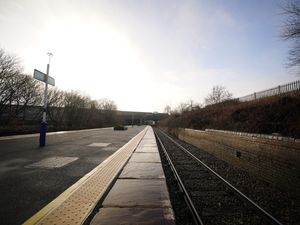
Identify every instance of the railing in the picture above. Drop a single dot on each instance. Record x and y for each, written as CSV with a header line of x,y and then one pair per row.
x,y
279,90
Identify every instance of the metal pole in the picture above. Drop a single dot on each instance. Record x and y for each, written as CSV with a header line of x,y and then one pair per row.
x,y
43,127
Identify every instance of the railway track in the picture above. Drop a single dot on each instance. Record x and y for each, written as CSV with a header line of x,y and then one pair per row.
x,y
210,198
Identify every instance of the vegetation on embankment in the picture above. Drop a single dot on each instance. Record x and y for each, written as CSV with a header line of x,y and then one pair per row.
x,y
277,114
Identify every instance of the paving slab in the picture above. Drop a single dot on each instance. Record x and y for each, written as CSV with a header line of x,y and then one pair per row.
x,y
146,149
142,171
134,216
148,136
145,157
148,141
138,193
147,144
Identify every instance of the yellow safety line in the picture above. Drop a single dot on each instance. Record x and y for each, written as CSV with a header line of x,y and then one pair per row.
x,y
67,193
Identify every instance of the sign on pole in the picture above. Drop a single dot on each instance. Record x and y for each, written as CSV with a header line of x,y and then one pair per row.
x,y
47,80
42,77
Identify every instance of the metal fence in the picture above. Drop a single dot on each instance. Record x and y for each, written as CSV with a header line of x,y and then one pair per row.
x,y
279,90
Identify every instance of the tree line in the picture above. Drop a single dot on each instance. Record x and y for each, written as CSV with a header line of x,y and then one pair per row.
x,y
21,101
218,95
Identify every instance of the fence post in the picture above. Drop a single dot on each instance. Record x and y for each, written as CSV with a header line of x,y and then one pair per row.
x,y
279,90
254,95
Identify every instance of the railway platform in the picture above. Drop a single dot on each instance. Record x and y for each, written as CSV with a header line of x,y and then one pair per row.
x,y
127,188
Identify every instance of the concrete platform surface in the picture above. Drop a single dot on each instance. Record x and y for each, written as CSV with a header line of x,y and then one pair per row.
x,y
139,170
140,195
134,216
145,157
146,149
147,144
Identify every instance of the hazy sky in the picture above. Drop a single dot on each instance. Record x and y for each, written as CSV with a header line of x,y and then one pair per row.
x,y
145,54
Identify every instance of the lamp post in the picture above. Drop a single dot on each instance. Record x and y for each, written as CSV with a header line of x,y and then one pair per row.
x,y
43,127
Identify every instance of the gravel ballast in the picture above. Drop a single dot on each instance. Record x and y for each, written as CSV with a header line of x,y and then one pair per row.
x,y
215,202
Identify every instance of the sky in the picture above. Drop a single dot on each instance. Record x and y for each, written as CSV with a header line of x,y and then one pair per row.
x,y
146,54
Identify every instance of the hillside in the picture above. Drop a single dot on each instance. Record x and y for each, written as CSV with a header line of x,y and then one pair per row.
x,y
277,114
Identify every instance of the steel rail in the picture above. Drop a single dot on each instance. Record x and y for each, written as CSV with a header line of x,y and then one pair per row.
x,y
259,209
187,197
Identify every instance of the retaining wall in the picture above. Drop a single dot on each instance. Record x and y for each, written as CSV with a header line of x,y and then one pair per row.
x,y
272,158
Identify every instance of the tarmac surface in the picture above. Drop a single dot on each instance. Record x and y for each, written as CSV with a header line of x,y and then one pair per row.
x,y
31,177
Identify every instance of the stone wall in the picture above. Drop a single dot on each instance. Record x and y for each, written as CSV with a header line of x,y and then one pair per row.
x,y
272,158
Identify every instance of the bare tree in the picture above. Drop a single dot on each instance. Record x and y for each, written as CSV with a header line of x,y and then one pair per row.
x,y
106,104
182,107
187,106
291,31
168,109
27,92
56,105
9,69
108,109
193,105
218,94
74,104
55,97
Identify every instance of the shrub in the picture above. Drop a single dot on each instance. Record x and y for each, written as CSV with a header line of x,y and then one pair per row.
x,y
120,127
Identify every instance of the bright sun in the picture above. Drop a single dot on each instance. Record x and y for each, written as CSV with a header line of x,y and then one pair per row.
x,y
95,58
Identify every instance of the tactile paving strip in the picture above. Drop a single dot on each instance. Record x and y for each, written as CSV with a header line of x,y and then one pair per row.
x,y
75,204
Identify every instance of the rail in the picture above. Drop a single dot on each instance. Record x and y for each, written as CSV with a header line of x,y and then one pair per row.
x,y
260,210
187,197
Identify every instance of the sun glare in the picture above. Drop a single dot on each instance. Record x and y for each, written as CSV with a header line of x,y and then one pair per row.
x,y
95,58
